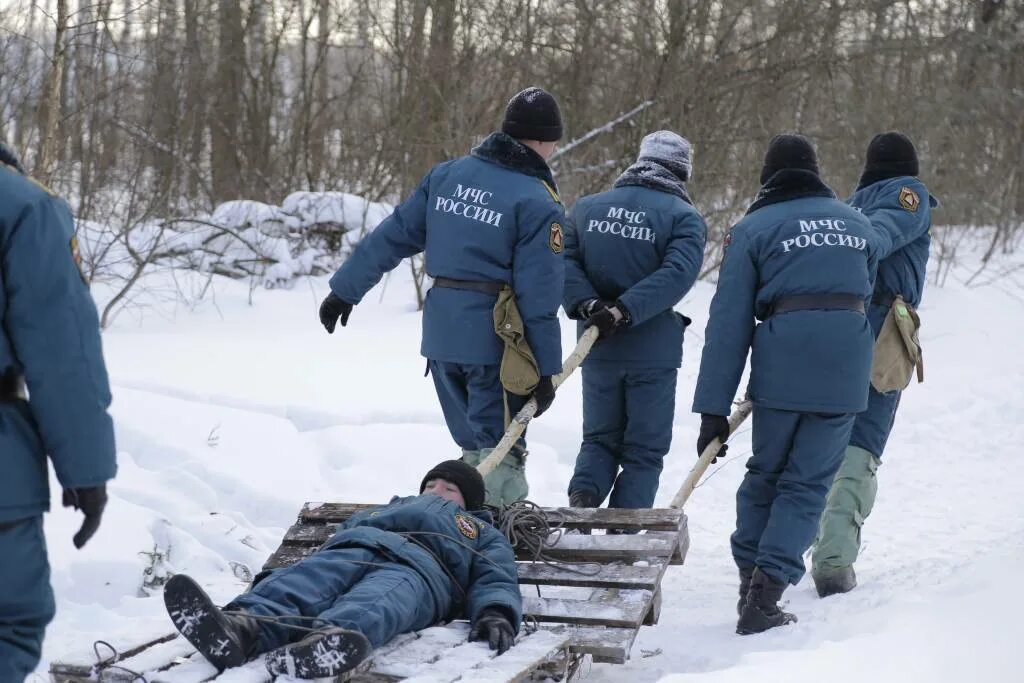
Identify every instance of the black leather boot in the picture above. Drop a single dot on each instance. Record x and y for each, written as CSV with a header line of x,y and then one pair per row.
x,y
322,654
745,576
761,611
226,640
584,499
840,581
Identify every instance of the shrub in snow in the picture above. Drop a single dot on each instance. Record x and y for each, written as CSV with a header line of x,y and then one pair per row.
x,y
309,234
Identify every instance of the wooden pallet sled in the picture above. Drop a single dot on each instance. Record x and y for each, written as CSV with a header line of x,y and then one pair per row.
x,y
593,601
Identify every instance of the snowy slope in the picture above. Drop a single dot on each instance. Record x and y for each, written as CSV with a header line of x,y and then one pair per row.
x,y
230,415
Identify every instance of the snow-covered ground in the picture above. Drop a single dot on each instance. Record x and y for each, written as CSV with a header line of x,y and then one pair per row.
x,y
230,415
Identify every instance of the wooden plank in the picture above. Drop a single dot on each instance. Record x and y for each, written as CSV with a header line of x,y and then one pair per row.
x,y
162,665
570,547
82,663
477,663
574,552
197,671
621,614
681,539
425,647
531,652
660,519
287,555
654,612
589,575
332,512
604,549
611,645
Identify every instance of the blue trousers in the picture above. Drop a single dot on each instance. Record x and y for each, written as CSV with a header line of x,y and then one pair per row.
x,y
627,430
779,503
872,427
354,588
26,599
472,400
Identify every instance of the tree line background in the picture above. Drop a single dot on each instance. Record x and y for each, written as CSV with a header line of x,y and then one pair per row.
x,y
141,109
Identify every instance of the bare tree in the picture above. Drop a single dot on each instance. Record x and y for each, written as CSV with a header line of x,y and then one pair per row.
x,y
52,102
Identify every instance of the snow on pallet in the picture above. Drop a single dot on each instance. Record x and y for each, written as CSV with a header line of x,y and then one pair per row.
x,y
592,602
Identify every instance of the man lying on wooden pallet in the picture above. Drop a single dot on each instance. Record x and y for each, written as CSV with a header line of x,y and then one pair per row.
x,y
388,570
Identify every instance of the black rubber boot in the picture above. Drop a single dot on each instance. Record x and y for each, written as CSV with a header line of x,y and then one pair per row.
x,y
323,654
745,576
840,581
584,499
226,640
761,611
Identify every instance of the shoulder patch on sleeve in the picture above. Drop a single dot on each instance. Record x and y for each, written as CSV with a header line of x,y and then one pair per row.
x,y
466,526
909,199
551,191
556,240
727,240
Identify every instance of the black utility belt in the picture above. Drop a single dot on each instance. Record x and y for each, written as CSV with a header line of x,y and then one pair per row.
x,y
493,288
817,302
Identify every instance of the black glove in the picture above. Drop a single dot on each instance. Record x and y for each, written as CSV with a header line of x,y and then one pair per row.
x,y
544,394
604,319
91,501
587,307
712,426
331,309
493,625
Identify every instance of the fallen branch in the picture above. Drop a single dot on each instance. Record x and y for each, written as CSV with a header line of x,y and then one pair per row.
x,y
600,130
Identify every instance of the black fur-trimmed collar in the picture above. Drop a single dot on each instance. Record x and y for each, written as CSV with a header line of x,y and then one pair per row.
x,y
653,175
504,150
877,176
790,183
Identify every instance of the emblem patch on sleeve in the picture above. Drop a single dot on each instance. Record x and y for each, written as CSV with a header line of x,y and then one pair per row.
x,y
557,239
466,526
727,240
909,199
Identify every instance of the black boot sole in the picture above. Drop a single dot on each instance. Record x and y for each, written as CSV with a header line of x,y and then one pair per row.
x,y
753,620
320,655
199,620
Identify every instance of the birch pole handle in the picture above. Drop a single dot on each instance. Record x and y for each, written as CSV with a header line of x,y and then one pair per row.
x,y
523,417
710,451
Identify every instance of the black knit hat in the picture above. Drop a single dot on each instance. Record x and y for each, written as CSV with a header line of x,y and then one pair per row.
x,y
469,481
789,150
533,114
890,155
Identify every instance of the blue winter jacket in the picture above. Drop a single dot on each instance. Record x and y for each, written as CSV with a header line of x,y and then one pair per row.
x,y
50,335
901,207
492,217
797,239
466,562
642,247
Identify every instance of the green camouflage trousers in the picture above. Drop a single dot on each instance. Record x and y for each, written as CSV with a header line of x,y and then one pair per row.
x,y
849,503
507,483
